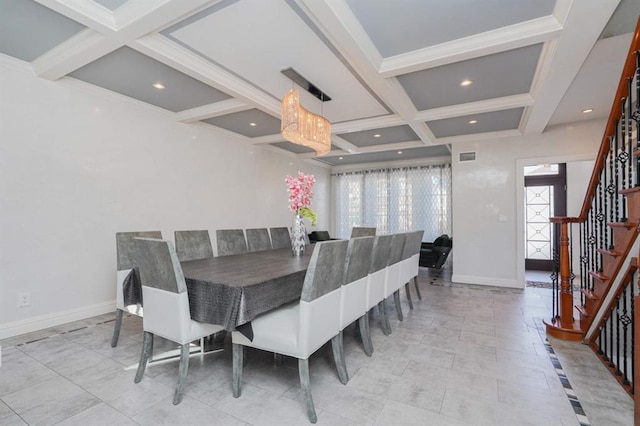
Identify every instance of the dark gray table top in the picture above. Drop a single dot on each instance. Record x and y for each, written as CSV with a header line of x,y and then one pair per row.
x,y
232,290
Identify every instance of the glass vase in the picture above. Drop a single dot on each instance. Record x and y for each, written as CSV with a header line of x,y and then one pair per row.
x,y
298,233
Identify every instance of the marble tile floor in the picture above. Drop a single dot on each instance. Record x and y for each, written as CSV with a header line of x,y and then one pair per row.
x,y
466,355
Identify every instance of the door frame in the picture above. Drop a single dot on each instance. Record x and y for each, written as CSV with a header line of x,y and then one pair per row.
x,y
520,163
559,209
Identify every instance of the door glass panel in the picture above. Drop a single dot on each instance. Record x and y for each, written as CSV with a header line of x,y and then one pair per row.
x,y
539,205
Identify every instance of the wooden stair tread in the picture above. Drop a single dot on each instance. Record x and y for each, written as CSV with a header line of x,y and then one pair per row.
x,y
582,311
611,253
627,225
628,191
599,275
590,294
574,333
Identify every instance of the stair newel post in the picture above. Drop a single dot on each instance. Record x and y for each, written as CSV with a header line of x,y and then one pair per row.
x,y
566,293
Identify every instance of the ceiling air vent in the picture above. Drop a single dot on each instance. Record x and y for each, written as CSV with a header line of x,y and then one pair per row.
x,y
467,156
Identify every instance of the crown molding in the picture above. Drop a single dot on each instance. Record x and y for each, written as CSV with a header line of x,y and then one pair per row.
x,y
228,106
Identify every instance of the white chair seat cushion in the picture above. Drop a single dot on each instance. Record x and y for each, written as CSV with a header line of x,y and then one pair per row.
x,y
277,329
376,290
392,280
353,302
296,330
165,320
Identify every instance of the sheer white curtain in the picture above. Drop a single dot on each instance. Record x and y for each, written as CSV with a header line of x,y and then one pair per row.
x,y
394,200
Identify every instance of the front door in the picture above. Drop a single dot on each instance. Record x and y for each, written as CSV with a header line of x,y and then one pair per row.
x,y
545,197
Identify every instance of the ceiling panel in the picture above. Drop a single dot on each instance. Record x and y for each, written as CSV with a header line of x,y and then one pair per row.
x,y
27,29
292,147
485,122
228,38
241,122
380,136
221,62
131,73
111,4
397,27
387,156
501,74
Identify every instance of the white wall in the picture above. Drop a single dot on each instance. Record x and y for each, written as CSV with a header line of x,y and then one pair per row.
x,y
78,164
488,199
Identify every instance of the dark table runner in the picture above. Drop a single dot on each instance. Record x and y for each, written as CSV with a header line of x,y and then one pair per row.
x,y
232,290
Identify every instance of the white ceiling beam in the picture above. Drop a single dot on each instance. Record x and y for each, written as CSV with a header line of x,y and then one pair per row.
x,y
77,51
479,107
367,124
172,54
495,41
228,106
106,33
562,59
477,137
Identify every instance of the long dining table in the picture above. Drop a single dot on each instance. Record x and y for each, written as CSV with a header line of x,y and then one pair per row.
x,y
232,290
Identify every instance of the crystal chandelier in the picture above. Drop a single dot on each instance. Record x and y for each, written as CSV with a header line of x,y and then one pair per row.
x,y
303,127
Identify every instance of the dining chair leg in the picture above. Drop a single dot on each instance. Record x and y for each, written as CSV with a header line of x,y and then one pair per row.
x,y
384,319
338,358
147,349
116,328
396,301
415,282
182,373
365,333
278,359
238,364
406,287
305,383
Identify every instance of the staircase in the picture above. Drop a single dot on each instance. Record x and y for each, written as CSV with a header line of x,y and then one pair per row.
x,y
604,241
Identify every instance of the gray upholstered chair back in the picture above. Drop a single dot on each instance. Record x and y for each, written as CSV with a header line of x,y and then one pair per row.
x,y
230,241
397,246
159,265
258,239
360,231
125,248
280,237
412,244
359,257
381,250
192,245
326,269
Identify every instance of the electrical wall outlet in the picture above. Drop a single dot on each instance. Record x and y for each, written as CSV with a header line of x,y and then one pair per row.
x,y
24,299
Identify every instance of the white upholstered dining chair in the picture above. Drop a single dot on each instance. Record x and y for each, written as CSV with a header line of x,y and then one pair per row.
x,y
230,241
301,328
166,312
193,245
362,231
258,239
409,264
280,237
392,278
377,277
353,299
125,272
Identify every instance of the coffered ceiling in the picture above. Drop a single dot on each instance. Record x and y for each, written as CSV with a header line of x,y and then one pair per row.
x,y
393,69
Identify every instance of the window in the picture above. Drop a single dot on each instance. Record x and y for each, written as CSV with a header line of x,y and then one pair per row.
x,y
395,200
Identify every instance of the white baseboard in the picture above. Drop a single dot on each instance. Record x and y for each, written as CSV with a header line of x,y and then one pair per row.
x,y
488,281
51,320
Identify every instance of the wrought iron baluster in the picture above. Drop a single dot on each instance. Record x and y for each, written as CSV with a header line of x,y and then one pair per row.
x,y
610,343
629,135
617,324
616,177
622,158
626,320
633,331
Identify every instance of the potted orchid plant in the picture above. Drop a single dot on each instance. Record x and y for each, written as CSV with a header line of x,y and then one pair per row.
x,y
300,189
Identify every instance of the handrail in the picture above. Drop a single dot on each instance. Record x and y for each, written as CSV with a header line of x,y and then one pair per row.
x,y
628,71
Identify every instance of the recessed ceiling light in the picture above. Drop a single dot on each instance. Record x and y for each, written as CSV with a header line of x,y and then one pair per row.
x,y
158,85
377,135
252,124
465,83
587,111
473,121
340,158
399,152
